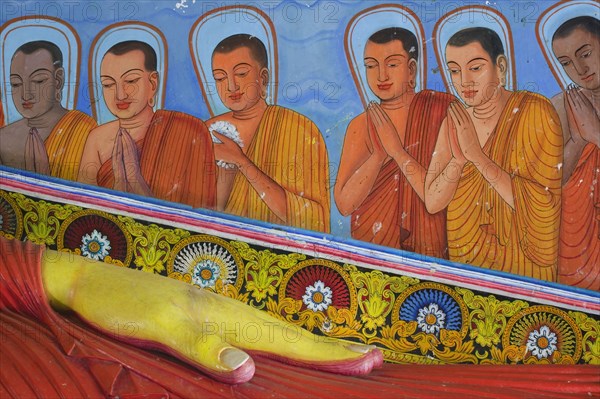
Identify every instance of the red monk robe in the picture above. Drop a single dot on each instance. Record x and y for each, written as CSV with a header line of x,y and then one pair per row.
x,y
579,240
176,160
393,215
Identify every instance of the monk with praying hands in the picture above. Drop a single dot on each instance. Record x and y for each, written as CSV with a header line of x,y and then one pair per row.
x,y
496,165
164,154
49,139
576,45
387,151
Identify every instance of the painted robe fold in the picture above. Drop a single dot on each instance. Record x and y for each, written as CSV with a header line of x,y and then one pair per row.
x,y
579,253
66,142
483,230
288,148
176,161
393,214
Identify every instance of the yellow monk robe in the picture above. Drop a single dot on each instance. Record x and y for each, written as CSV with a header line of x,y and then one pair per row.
x,y
176,160
483,230
66,142
393,214
288,148
579,252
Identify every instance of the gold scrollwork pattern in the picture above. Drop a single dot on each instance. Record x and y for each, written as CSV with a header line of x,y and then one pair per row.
x,y
152,244
264,271
412,321
488,317
590,329
376,294
42,219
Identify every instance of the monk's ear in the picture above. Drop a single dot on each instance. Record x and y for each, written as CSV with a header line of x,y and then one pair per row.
x,y
412,68
264,77
59,77
502,65
153,77
412,72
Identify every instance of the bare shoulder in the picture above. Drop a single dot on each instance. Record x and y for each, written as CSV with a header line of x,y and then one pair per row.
x,y
558,101
358,125
104,133
14,128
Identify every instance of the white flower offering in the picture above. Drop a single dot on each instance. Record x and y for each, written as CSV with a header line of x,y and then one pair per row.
x,y
228,130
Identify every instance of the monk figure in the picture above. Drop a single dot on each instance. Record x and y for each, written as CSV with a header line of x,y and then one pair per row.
x,y
576,45
387,151
49,139
163,154
496,165
279,174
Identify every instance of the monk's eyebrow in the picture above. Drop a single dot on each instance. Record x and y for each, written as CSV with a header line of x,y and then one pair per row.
x,y
40,70
395,55
131,70
242,64
16,75
477,59
581,48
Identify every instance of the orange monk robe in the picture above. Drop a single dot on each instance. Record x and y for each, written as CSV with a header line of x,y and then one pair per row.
x,y
483,230
66,142
288,148
579,252
393,214
176,161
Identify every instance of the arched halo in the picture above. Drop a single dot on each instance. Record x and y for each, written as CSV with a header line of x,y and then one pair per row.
x,y
472,17
219,24
548,23
19,31
372,20
116,33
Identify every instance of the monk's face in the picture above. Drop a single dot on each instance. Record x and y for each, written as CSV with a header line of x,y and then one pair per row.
x,y
579,54
241,81
474,75
390,71
35,83
127,86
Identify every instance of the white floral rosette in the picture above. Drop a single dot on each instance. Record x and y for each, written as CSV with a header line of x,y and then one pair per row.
x,y
228,130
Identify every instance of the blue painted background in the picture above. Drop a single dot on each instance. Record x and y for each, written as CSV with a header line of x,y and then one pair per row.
x,y
314,76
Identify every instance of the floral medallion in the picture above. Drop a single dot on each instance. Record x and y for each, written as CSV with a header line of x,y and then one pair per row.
x,y
95,245
547,334
206,261
11,218
96,235
319,284
433,307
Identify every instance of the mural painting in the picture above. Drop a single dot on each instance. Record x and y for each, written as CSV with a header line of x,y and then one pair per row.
x,y
420,131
